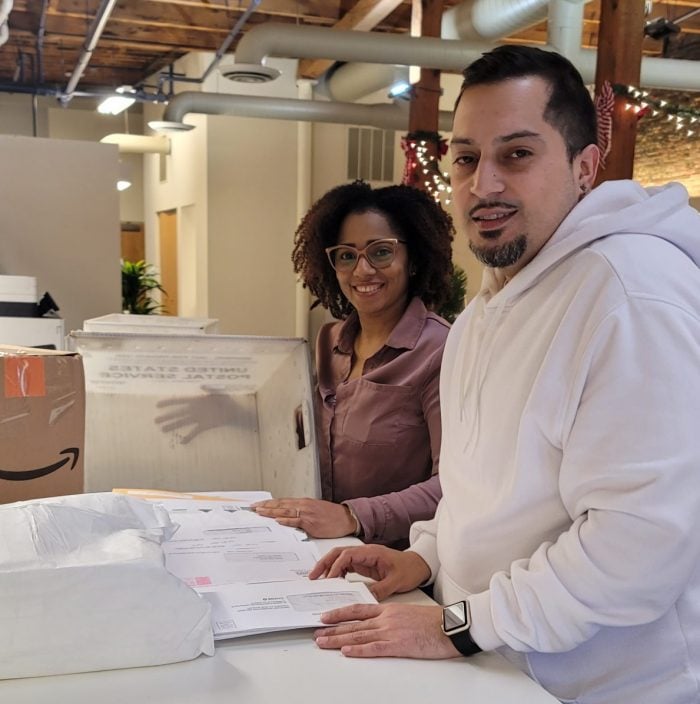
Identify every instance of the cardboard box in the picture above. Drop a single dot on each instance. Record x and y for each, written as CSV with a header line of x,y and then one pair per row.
x,y
42,423
151,324
198,413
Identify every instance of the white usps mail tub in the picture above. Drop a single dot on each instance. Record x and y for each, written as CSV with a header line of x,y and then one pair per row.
x,y
198,413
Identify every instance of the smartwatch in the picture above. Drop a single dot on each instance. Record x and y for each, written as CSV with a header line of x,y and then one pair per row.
x,y
456,622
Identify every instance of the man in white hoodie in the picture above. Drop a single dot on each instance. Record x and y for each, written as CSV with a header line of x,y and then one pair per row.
x,y
568,536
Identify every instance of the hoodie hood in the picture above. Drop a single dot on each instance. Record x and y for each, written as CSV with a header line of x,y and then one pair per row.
x,y
614,207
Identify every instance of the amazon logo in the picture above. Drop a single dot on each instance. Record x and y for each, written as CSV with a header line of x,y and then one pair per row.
x,y
42,471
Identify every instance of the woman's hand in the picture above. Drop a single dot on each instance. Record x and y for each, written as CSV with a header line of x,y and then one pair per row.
x,y
319,519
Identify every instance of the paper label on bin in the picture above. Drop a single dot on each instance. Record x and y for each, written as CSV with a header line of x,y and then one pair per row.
x,y
147,373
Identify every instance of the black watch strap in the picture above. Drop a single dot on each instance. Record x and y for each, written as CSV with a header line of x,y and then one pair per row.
x,y
464,643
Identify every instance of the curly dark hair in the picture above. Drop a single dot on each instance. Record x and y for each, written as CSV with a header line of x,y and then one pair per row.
x,y
412,214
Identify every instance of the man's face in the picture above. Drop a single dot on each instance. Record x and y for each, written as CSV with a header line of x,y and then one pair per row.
x,y
511,177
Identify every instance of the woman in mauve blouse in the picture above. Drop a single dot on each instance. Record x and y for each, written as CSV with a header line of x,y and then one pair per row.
x,y
378,260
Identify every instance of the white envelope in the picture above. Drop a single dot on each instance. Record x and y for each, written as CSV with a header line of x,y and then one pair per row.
x,y
83,587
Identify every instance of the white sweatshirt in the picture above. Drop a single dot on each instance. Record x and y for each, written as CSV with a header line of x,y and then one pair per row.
x,y
570,460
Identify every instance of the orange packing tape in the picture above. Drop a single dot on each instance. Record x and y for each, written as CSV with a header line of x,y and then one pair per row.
x,y
24,376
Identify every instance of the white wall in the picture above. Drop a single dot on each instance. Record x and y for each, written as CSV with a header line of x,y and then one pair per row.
x,y
60,222
185,190
85,123
252,175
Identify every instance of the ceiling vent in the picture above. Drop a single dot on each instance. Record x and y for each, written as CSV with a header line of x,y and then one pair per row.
x,y
249,73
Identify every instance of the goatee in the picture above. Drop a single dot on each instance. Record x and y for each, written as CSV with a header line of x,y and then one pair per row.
x,y
501,256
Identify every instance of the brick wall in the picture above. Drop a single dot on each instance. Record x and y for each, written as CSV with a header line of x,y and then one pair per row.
x,y
664,153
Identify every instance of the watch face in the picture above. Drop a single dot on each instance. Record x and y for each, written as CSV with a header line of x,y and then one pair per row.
x,y
454,616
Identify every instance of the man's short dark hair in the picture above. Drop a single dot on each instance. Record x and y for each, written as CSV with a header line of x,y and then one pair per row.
x,y
569,109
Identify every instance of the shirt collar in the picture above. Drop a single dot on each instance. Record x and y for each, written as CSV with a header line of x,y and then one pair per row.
x,y
405,334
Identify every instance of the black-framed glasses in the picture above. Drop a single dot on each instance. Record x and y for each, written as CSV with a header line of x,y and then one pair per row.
x,y
380,254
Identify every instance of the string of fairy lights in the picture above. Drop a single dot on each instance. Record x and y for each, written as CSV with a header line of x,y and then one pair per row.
x,y
436,182
644,103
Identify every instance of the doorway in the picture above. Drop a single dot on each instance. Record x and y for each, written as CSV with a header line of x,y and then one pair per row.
x,y
167,228
133,246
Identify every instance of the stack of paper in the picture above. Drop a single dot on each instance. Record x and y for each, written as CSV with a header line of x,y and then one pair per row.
x,y
251,570
246,609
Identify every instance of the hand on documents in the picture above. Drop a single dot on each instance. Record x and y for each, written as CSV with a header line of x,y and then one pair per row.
x,y
317,518
250,569
395,571
213,547
387,630
247,609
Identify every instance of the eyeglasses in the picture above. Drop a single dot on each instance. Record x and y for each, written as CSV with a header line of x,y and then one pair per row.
x,y
380,254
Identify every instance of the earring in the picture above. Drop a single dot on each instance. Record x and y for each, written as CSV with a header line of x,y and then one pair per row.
x,y
584,189
412,270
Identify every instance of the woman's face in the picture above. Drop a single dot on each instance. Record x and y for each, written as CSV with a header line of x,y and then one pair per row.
x,y
374,292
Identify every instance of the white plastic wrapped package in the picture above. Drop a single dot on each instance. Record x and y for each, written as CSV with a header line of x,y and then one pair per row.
x,y
83,587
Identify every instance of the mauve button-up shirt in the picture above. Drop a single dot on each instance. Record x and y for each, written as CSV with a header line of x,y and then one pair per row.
x,y
379,434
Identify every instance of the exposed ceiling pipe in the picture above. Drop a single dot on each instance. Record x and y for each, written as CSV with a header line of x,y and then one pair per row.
x,y
93,36
5,9
41,31
564,35
220,52
295,42
491,19
449,55
473,20
348,82
230,37
390,116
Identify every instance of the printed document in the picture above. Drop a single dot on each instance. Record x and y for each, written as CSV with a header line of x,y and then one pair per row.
x,y
246,609
210,549
252,570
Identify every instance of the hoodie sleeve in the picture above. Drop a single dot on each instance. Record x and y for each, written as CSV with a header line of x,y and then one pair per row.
x,y
629,480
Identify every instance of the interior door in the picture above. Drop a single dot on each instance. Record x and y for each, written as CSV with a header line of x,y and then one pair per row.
x,y
167,224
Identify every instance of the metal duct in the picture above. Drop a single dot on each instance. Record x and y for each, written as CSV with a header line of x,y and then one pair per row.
x,y
564,35
491,19
5,9
444,54
383,115
475,20
348,82
295,42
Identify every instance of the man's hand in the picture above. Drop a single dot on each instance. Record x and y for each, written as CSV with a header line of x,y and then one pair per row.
x,y
393,571
387,630
320,519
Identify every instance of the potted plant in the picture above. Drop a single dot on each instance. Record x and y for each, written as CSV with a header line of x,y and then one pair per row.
x,y
138,281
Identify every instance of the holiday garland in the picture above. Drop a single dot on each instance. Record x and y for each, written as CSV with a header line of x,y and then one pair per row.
x,y
645,104
422,165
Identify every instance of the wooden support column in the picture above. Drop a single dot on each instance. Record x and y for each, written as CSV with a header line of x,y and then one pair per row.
x,y
620,37
425,96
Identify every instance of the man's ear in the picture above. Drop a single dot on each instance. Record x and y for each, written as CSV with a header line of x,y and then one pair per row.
x,y
586,164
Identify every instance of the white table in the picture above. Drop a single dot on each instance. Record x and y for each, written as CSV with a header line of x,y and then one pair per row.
x,y
288,668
